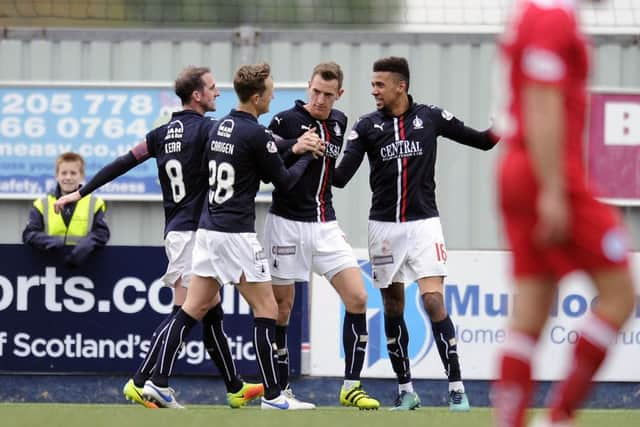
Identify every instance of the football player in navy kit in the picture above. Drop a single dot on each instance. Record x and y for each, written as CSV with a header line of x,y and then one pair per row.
x,y
179,147
406,243
301,233
240,153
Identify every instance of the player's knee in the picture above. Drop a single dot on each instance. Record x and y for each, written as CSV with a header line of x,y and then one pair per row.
x,y
434,305
356,302
623,303
393,307
197,309
284,311
267,308
284,304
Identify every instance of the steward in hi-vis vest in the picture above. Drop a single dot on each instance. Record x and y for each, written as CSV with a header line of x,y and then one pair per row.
x,y
79,224
71,224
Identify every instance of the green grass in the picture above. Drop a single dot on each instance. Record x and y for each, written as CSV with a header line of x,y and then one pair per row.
x,y
86,415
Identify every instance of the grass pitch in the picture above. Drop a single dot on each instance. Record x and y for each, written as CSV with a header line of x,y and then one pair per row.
x,y
89,415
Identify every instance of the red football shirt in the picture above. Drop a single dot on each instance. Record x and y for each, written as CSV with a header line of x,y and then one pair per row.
x,y
544,44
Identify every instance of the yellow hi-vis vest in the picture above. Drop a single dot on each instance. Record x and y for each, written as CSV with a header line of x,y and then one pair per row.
x,y
81,220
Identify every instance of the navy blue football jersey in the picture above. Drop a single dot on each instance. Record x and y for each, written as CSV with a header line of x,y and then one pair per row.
x,y
240,153
402,157
310,199
179,149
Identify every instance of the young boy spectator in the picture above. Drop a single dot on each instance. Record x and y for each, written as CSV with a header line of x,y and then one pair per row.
x,y
80,224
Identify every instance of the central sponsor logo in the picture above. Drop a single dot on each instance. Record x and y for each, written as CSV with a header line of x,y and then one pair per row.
x,y
401,149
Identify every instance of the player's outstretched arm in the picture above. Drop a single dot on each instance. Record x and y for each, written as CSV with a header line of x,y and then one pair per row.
x,y
108,173
451,127
65,200
484,140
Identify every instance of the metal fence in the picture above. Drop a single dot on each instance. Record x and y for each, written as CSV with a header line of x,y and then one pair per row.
x,y
452,70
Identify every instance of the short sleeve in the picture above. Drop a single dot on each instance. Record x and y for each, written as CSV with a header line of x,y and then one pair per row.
x,y
546,47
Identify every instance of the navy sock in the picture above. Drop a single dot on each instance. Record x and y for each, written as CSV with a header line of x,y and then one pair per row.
x,y
263,342
283,355
217,345
444,334
146,367
177,331
397,334
354,341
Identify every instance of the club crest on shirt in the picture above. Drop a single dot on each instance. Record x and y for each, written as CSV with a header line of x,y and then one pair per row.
x,y
353,135
272,147
225,128
417,123
337,130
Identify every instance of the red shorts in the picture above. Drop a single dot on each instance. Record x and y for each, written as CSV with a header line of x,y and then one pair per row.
x,y
596,239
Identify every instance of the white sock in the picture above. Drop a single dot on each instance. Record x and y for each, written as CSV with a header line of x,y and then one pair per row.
x,y
349,384
456,386
408,387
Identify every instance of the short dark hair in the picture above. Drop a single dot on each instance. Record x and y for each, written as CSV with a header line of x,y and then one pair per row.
x,y
394,64
250,80
329,71
188,81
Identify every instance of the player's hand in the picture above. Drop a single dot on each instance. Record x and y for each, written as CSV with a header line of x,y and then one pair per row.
x,y
64,200
553,217
309,142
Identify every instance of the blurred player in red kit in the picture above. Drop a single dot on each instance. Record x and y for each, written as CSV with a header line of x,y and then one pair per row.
x,y
553,222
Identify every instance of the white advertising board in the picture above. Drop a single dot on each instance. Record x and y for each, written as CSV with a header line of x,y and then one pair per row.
x,y
479,299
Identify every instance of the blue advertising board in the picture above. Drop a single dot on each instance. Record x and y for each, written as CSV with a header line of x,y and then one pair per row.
x,y
98,318
40,122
